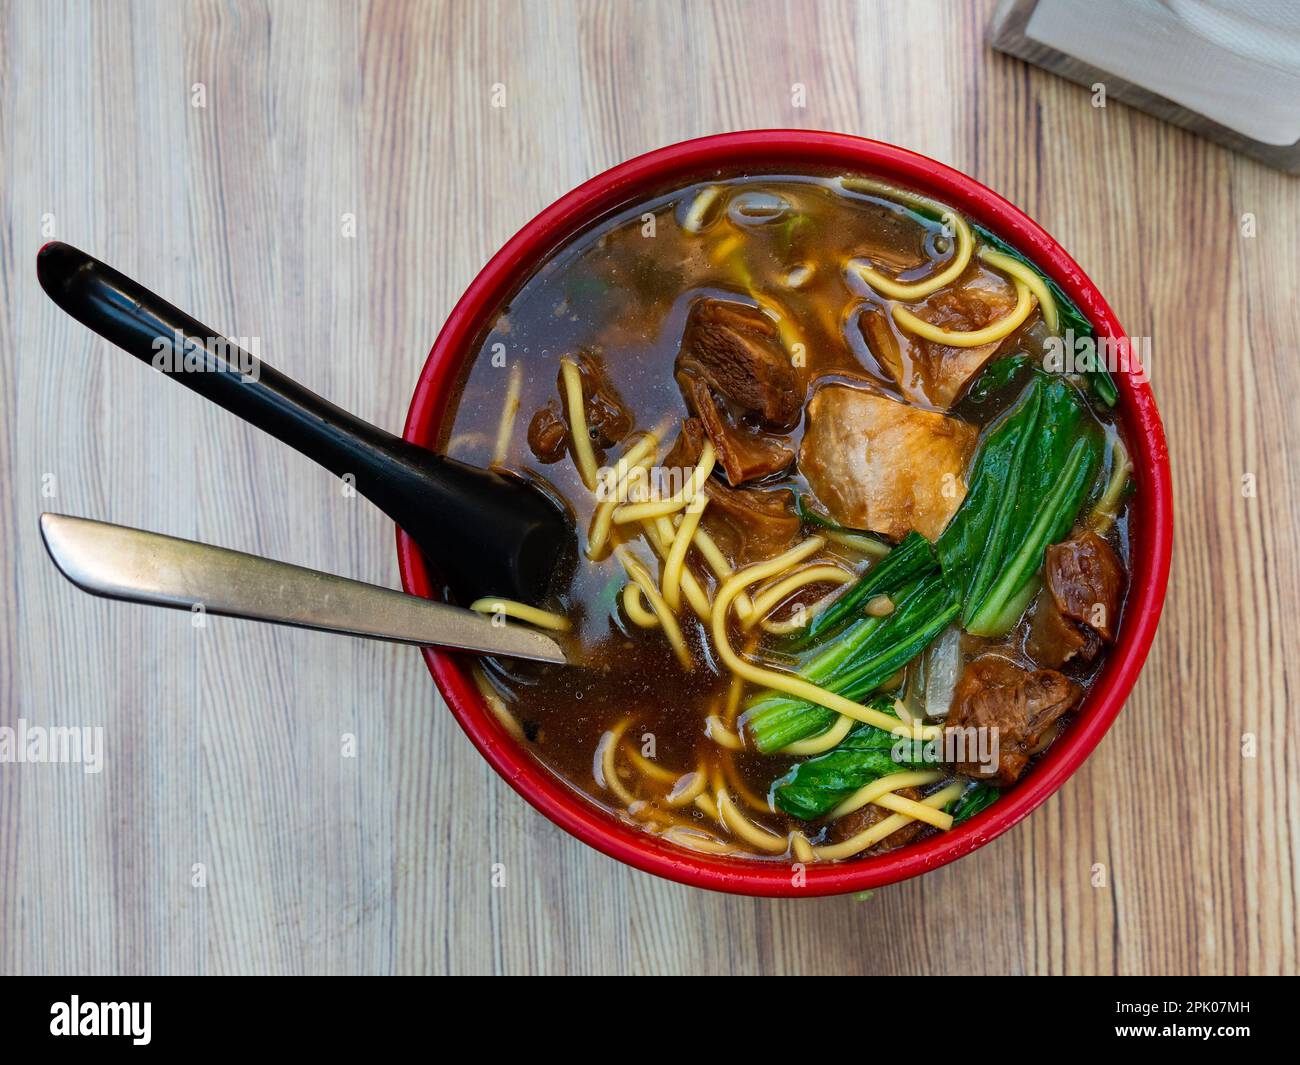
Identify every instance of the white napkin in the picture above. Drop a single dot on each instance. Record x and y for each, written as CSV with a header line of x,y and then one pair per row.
x,y
1234,61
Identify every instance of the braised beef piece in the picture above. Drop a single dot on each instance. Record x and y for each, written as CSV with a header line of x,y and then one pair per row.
x,y
737,351
749,524
1023,706
927,372
547,434
1077,609
1086,579
1054,639
608,419
743,455
685,452
860,820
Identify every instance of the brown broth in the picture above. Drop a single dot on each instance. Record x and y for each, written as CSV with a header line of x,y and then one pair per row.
x,y
616,290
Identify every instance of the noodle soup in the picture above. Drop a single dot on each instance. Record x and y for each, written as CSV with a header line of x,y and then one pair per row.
x,y
849,554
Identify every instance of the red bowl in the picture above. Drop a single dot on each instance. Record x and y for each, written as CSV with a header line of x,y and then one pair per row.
x,y
1151,523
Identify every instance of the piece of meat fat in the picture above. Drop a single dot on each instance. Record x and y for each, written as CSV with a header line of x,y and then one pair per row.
x,y
1020,705
736,349
882,465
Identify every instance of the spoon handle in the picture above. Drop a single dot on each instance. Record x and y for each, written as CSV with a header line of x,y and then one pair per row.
x,y
143,567
491,535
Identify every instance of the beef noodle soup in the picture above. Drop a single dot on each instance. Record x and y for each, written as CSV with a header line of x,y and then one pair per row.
x,y
853,546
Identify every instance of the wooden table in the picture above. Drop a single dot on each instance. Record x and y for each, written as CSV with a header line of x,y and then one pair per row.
x,y
328,178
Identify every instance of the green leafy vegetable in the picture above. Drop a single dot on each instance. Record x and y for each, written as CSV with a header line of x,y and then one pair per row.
x,y
863,656
1071,319
978,796
1031,477
997,376
910,559
815,787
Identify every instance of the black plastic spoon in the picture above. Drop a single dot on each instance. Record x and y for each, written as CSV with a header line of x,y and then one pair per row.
x,y
488,534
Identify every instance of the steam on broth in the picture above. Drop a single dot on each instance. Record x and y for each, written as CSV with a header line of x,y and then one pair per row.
x,y
851,556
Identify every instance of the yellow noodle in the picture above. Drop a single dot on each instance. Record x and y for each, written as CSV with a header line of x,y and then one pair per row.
x,y
693,222
661,507
687,789
773,595
695,595
883,829
720,734
902,290
1033,280
736,784
733,700
705,803
498,705
974,338
788,682
647,768
915,810
634,606
708,547
803,850
676,560
755,835
602,517
863,545
583,455
671,629
605,770
821,743
908,778
608,486
508,411
700,841
544,619
1107,509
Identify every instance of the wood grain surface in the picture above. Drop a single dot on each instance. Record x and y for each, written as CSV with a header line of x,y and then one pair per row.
x,y
1168,852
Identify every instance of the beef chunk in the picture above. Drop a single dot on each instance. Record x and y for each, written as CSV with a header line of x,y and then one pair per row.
x,y
1086,579
742,454
882,465
860,820
1023,707
749,524
938,374
547,434
736,350
608,419
1054,639
685,452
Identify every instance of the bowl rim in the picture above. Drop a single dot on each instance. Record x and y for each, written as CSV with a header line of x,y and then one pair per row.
x,y
1151,528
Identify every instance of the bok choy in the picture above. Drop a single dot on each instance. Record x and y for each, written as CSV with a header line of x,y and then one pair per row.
x,y
1030,478
815,787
